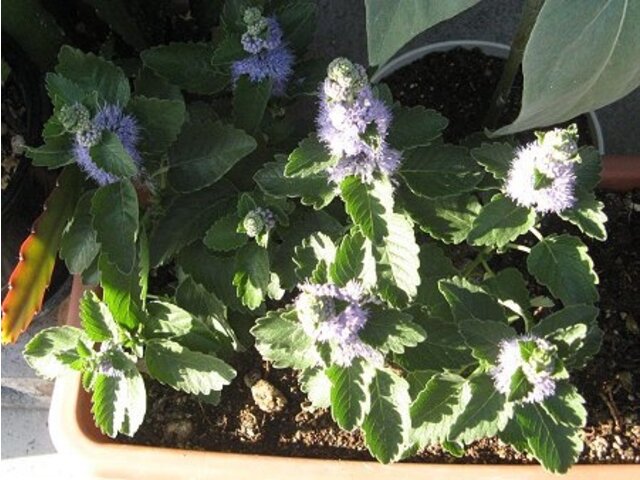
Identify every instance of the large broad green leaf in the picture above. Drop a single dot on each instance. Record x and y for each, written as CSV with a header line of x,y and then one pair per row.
x,y
574,67
556,446
109,154
349,259
574,331
448,219
223,235
252,275
79,245
484,337
311,157
350,400
588,169
94,74
566,406
115,219
250,102
496,158
317,385
440,171
563,265
587,214
204,152
96,319
123,293
186,218
160,119
390,330
391,24
313,190
46,351
434,266
510,288
281,340
386,427
399,261
186,370
109,404
415,127
368,206
298,20
470,302
188,65
55,153
500,222
486,411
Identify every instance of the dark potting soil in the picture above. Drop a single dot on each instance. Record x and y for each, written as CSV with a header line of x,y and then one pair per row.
x,y
448,83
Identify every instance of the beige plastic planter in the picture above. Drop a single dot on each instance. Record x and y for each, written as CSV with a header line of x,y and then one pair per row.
x,y
96,456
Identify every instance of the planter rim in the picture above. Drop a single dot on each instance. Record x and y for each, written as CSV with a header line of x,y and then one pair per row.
x,y
490,48
74,434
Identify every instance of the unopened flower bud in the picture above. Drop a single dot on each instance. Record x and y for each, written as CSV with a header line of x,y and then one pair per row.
x,y
89,137
74,118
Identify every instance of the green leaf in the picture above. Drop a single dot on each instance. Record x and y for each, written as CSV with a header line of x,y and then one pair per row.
x,y
161,121
250,101
311,157
368,206
435,409
588,168
415,127
434,265
79,246
314,190
223,235
556,446
392,24
122,293
188,65
399,262
496,158
117,16
316,252
111,156
587,214
500,222
390,330
349,259
115,219
45,352
186,218
470,302
574,331
443,349
298,20
510,288
350,400
448,219
109,404
151,85
484,337
562,264
204,152
94,74
486,411
317,385
386,426
589,63
440,171
281,340
252,275
186,370
566,406
96,319
55,153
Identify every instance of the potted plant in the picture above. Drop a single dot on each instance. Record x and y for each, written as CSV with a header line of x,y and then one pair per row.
x,y
200,246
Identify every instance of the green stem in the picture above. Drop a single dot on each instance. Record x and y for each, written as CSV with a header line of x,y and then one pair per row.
x,y
522,248
536,233
468,270
503,90
487,268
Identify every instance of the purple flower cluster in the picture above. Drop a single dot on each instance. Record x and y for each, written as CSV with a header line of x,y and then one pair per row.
x,y
335,315
109,118
270,57
353,124
542,174
538,369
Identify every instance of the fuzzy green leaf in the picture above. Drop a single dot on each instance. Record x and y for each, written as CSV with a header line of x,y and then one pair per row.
x,y
161,121
368,206
55,153
46,351
311,157
484,337
314,381
96,319
470,302
496,158
562,264
390,330
349,259
350,400
415,127
79,246
223,235
587,214
250,101
500,222
252,275
111,156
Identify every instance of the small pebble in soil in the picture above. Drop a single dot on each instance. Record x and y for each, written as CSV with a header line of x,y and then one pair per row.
x,y
178,430
267,397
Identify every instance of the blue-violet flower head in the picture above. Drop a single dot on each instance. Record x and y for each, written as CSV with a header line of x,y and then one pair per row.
x,y
113,119
336,315
538,361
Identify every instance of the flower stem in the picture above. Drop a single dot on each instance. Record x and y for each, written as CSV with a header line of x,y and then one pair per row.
x,y
503,90
482,256
522,248
536,233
